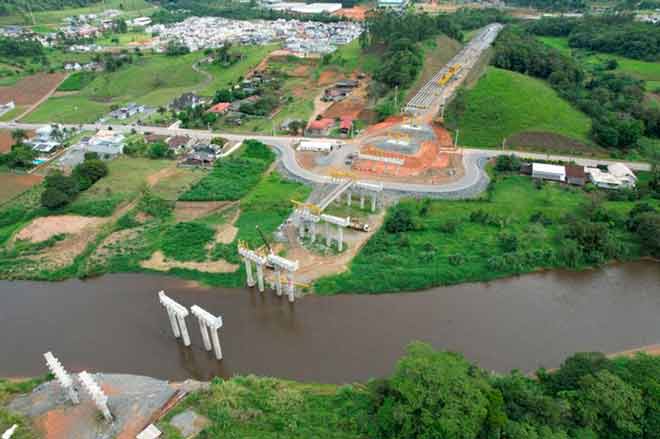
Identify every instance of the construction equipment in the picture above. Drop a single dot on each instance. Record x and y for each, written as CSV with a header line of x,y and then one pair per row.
x,y
313,208
356,225
263,238
449,74
339,173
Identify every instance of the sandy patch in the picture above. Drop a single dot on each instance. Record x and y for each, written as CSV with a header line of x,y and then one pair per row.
x,y
190,210
226,233
158,262
164,173
46,227
314,266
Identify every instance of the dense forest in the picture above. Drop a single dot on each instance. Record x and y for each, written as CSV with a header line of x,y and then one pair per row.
x,y
440,395
8,7
551,5
618,34
400,35
614,101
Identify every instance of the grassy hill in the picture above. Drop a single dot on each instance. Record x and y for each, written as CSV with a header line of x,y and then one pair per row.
x,y
504,103
151,80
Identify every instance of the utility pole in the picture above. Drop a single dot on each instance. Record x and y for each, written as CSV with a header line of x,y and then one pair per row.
x,y
456,139
396,98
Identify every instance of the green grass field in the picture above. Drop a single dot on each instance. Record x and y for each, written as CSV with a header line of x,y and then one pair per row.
x,y
151,80
447,246
648,71
129,7
350,58
504,103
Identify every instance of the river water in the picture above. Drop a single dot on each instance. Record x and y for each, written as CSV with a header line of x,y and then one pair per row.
x,y
115,324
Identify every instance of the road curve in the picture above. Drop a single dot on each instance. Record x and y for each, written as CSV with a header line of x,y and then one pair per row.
x,y
469,185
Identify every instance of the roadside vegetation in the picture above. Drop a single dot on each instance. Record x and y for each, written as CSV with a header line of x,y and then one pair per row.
x,y
519,226
440,394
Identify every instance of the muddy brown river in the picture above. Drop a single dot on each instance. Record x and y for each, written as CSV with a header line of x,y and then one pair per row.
x,y
115,324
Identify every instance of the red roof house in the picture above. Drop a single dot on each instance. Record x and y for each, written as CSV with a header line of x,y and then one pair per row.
x,y
320,127
346,124
219,108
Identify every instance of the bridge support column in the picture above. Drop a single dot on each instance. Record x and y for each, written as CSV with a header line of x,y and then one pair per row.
x,y
278,282
328,238
313,230
260,277
340,238
291,288
349,198
248,272
361,201
373,203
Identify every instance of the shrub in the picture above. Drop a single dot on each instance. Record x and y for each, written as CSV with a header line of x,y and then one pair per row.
x,y
507,163
53,198
400,220
187,241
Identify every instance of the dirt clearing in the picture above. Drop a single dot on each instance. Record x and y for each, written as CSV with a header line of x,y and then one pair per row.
x,y
190,210
46,227
226,233
12,185
158,262
30,90
6,140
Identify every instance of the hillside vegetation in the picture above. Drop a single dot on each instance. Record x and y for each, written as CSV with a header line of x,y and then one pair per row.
x,y
151,80
504,103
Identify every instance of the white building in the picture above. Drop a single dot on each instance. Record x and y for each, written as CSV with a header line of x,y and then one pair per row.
x,y
618,176
548,172
317,146
107,144
141,22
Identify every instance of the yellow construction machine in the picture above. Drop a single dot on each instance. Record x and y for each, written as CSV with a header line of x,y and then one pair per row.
x,y
313,208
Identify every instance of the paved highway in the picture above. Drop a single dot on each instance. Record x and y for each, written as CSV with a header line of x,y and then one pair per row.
x,y
472,182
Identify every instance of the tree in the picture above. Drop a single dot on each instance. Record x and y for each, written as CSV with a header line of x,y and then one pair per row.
x,y
507,163
89,172
568,376
400,220
63,183
121,26
176,47
20,156
53,198
19,135
648,230
430,395
159,150
608,406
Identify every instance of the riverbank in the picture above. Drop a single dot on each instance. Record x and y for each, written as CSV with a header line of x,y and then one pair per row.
x,y
520,226
263,407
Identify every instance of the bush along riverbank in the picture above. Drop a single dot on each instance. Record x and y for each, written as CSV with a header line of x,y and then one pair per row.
x,y
520,226
435,394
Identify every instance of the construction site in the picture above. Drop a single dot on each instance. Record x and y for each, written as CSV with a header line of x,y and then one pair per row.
x,y
326,231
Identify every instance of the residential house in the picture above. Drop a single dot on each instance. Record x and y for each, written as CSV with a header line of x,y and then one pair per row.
x,y
219,108
575,175
5,108
107,144
127,112
177,143
185,101
617,176
346,124
320,127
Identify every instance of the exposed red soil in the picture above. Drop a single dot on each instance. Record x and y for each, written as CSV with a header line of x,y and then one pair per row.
x,y
384,125
6,141
328,77
357,13
14,184
31,89
350,107
427,161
